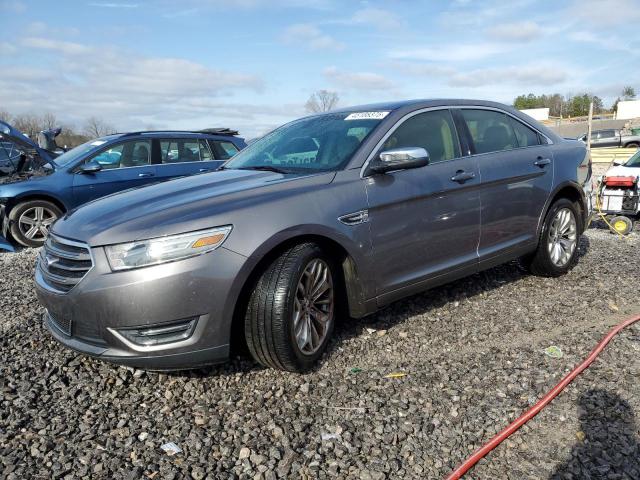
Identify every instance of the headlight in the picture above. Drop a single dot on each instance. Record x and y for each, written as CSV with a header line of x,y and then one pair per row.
x,y
165,249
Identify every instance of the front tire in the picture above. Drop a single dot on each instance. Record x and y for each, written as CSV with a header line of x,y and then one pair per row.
x,y
557,250
31,221
291,310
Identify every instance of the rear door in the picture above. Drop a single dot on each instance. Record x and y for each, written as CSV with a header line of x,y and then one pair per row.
x,y
516,167
425,222
180,157
124,165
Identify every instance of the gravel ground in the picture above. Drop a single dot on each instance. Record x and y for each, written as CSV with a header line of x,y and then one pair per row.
x,y
473,356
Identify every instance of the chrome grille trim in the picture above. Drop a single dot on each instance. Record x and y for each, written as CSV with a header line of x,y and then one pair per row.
x,y
62,264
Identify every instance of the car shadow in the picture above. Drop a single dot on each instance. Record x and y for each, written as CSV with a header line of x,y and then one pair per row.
x,y
607,445
393,314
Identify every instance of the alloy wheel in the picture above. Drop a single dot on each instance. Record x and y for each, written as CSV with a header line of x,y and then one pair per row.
x,y
563,237
34,223
313,306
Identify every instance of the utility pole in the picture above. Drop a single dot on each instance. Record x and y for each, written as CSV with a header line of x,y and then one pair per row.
x,y
589,127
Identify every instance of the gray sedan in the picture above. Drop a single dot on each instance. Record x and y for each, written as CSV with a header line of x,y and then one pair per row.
x,y
336,214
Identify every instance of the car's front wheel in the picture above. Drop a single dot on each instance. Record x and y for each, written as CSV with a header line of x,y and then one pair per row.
x,y
291,310
31,220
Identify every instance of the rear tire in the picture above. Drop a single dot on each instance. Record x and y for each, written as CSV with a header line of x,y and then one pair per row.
x,y
291,310
557,250
30,221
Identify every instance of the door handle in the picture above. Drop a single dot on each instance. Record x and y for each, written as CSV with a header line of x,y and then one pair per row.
x,y
204,170
461,176
542,162
145,175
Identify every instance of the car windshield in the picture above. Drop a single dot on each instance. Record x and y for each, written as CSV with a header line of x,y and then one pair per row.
x,y
634,161
79,152
314,144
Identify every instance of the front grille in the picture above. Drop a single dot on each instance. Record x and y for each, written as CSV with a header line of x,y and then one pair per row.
x,y
63,263
62,324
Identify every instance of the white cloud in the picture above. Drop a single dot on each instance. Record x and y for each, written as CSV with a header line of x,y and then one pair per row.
x,y
516,32
357,80
607,42
7,48
461,52
311,37
529,75
379,18
113,5
605,13
130,90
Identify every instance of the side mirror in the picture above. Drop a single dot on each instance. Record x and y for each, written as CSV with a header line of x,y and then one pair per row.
x,y
400,159
91,167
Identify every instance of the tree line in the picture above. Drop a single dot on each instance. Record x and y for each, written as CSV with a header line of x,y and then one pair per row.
x,y
32,124
571,105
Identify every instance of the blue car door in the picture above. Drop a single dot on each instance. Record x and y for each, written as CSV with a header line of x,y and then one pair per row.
x,y
124,165
180,157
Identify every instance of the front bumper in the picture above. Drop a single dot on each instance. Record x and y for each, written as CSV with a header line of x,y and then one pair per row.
x,y
105,303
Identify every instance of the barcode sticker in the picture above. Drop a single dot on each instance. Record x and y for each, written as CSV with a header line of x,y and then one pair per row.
x,y
367,116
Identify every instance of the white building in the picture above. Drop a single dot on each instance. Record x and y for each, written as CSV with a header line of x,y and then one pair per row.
x,y
628,109
538,113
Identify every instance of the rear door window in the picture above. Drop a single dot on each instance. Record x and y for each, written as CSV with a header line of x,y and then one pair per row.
x,y
434,131
526,136
491,131
180,151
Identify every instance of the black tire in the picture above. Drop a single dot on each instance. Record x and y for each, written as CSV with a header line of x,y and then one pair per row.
x,y
621,224
269,319
51,213
539,262
632,145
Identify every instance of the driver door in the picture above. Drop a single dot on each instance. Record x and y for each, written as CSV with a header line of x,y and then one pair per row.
x,y
425,222
124,165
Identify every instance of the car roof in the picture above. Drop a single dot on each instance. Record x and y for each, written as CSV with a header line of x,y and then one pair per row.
x,y
419,103
218,133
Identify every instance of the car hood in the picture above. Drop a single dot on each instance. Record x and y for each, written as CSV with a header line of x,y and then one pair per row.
x,y
622,171
182,205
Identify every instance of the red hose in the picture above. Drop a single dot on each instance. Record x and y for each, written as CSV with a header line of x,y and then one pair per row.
x,y
529,414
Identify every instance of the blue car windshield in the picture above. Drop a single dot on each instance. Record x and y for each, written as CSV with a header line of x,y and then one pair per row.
x,y
314,144
79,152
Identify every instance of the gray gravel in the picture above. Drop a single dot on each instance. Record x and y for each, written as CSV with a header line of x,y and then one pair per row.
x,y
472,352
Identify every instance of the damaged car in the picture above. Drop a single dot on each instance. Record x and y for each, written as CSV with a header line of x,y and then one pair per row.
x,y
49,186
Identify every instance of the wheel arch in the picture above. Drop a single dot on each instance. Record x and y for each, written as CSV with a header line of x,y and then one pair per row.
x,y
350,275
30,196
573,192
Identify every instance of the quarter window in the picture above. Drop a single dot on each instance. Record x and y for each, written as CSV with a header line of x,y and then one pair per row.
x,y
123,155
490,131
223,150
434,131
526,136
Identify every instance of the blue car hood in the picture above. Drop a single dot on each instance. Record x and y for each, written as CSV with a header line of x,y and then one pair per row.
x,y
178,206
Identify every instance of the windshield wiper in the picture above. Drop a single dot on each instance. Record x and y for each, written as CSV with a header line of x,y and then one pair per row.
x,y
266,168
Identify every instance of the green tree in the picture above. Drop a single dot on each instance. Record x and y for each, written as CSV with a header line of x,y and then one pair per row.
x,y
628,93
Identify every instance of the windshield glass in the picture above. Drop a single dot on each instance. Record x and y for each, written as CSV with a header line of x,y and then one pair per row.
x,y
634,161
315,144
80,151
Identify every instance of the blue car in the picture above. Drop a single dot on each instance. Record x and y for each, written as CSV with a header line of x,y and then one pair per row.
x,y
29,206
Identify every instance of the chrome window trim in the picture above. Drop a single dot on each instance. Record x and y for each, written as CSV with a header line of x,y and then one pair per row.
x,y
452,107
397,125
517,119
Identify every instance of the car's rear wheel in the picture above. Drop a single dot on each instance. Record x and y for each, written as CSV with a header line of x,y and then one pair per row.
x,y
557,250
31,221
291,311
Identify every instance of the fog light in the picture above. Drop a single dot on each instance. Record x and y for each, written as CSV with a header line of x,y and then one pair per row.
x,y
160,334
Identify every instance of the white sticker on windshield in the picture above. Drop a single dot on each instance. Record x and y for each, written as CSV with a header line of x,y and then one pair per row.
x,y
97,143
367,116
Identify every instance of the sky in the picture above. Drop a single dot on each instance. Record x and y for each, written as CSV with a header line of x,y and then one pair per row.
x,y
252,64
